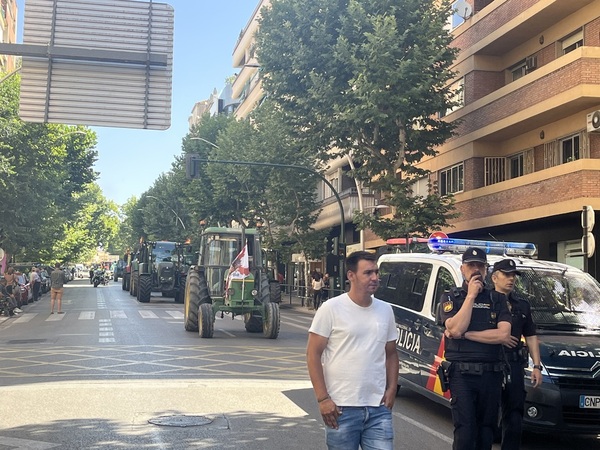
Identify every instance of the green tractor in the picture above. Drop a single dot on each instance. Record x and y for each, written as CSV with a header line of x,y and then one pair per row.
x,y
215,285
158,267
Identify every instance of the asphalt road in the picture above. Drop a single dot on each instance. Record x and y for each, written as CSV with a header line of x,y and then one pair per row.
x,y
112,373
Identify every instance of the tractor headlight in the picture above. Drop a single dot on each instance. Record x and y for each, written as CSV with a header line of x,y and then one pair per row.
x,y
254,292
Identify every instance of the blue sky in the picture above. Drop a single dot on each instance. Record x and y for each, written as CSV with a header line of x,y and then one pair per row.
x,y
205,35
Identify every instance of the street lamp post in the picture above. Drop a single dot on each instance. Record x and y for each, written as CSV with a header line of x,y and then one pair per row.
x,y
195,158
172,210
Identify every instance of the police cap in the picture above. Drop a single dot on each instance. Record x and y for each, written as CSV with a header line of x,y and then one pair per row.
x,y
474,254
506,266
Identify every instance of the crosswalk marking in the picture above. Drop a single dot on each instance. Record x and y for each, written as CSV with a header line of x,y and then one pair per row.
x,y
55,317
118,315
175,314
87,315
26,317
147,314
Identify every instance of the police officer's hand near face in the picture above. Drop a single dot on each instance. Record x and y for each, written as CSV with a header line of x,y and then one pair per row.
x,y
329,412
475,285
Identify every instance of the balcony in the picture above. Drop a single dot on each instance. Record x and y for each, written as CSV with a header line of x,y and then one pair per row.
x,y
330,213
556,90
502,26
559,190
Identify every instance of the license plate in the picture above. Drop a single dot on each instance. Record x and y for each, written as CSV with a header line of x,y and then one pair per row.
x,y
589,401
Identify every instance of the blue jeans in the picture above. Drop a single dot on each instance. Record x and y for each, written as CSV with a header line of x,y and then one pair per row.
x,y
368,426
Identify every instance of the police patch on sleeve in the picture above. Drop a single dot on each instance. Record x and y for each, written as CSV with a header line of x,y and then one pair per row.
x,y
448,306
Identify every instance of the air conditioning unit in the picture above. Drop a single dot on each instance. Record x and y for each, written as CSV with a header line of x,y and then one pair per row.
x,y
593,122
530,63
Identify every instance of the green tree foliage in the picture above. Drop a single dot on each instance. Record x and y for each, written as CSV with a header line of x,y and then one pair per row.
x,y
366,78
44,171
95,222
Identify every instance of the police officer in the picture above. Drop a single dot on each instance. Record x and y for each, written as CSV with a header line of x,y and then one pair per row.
x,y
504,274
477,322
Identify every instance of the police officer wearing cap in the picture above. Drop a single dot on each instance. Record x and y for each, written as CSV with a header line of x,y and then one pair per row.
x,y
504,274
477,322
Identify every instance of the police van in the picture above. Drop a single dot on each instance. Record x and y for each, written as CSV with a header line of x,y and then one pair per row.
x,y
565,304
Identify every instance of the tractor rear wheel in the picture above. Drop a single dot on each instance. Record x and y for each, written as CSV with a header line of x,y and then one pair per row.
x,y
144,288
271,321
275,291
206,321
125,282
253,323
133,289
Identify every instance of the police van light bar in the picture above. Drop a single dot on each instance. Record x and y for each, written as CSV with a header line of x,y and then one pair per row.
x,y
452,245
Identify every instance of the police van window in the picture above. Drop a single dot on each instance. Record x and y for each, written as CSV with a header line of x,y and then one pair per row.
x,y
404,283
569,299
443,283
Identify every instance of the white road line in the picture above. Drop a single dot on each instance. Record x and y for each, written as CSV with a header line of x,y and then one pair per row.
x,y
118,315
175,314
425,428
147,314
87,315
55,317
226,332
26,317
106,340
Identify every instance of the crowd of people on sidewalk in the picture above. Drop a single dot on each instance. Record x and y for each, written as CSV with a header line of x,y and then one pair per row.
x,y
10,286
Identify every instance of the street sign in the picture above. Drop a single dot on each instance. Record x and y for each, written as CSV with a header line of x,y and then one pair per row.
x,y
97,63
588,247
588,218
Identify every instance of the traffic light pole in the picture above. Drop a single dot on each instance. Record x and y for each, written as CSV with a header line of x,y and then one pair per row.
x,y
192,159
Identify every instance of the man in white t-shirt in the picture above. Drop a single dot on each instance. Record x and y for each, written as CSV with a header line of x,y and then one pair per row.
x,y
353,363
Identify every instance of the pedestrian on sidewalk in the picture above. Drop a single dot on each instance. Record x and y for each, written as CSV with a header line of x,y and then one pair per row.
x,y
57,282
317,287
35,280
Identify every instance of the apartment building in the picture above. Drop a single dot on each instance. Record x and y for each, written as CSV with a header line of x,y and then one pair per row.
x,y
8,32
526,155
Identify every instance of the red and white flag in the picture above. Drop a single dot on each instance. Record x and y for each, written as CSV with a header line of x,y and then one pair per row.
x,y
240,267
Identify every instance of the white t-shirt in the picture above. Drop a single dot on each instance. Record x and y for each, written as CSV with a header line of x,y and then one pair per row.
x,y
354,359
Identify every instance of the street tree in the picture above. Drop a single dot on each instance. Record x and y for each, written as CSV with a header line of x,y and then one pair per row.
x,y
43,168
367,79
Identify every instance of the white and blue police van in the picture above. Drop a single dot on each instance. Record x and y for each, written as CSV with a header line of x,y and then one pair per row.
x,y
565,304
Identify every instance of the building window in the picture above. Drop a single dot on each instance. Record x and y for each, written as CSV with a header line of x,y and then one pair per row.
x,y
420,188
519,70
452,180
516,165
457,17
572,42
495,170
570,148
457,96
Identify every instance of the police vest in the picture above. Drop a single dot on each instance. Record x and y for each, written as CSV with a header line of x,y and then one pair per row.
x,y
489,306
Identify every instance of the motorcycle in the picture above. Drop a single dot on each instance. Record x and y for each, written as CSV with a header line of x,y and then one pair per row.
x,y
99,278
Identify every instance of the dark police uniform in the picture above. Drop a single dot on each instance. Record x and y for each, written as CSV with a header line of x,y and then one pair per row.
x,y
513,395
476,372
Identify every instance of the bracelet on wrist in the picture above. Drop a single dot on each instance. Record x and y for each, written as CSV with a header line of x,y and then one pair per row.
x,y
323,399
537,366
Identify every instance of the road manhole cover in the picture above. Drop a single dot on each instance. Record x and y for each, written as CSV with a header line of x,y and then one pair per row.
x,y
181,421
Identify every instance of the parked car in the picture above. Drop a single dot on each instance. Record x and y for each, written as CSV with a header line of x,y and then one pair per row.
x,y
24,294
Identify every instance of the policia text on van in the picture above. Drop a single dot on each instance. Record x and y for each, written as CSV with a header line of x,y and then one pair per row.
x,y
565,304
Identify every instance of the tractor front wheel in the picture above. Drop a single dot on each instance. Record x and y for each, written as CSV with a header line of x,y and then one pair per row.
x,y
206,321
271,321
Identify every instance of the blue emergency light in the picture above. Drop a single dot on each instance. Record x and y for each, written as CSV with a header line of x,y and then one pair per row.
x,y
441,245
